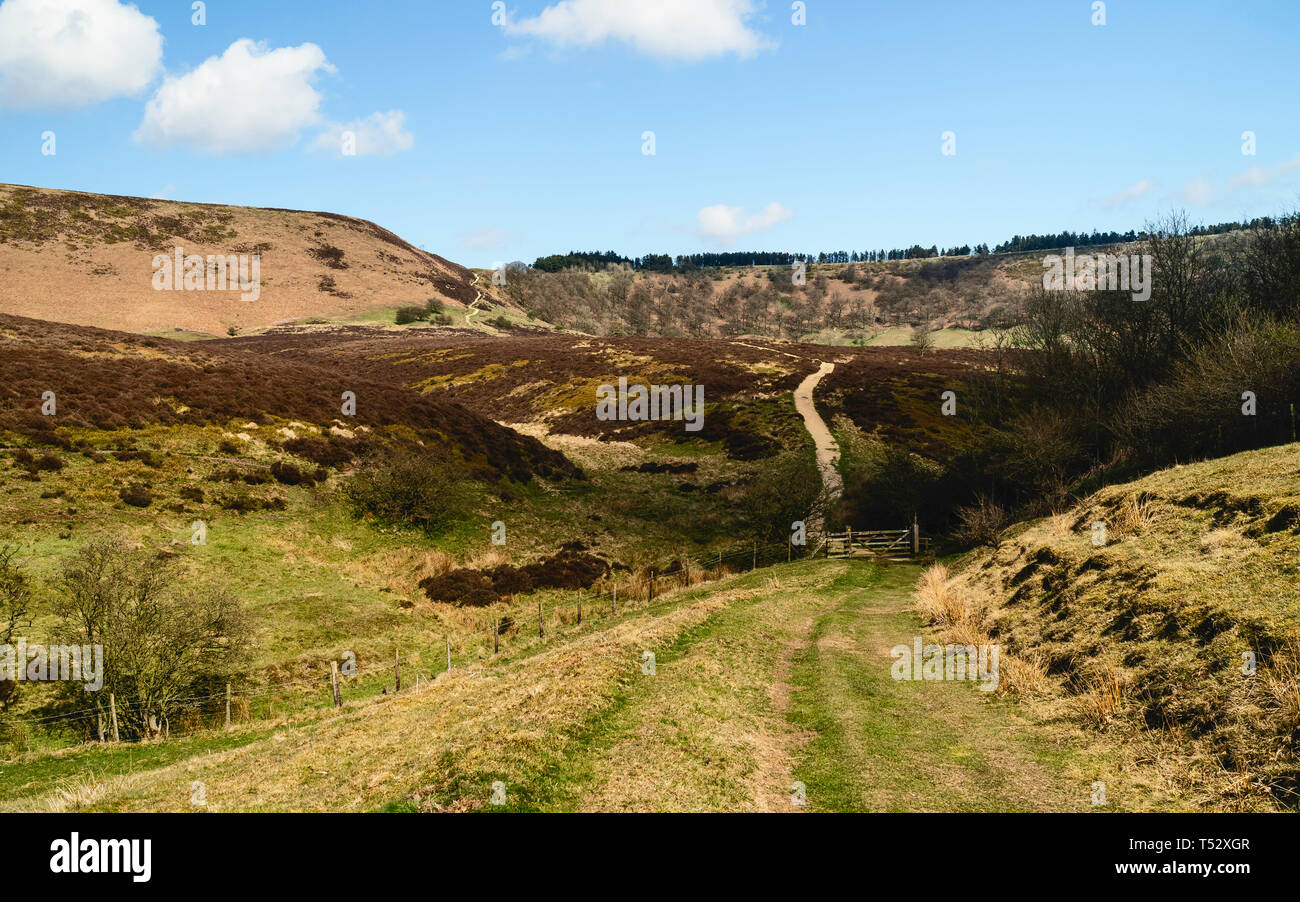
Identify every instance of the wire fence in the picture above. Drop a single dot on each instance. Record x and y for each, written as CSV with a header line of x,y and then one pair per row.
x,y
512,631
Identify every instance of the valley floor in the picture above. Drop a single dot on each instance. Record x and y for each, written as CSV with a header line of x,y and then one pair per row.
x,y
761,681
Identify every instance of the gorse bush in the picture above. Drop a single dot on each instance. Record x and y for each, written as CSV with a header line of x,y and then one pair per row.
x,y
411,489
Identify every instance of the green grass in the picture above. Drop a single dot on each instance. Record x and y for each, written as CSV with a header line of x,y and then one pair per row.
x,y
878,744
943,338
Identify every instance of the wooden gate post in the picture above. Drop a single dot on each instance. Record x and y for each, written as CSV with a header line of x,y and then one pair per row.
x,y
916,536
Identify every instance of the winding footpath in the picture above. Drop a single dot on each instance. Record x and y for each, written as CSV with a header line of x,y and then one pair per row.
x,y
828,452
471,309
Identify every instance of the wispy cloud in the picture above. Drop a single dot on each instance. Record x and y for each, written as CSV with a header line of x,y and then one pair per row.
x,y
1258,176
725,224
666,29
1137,189
383,134
1197,192
488,239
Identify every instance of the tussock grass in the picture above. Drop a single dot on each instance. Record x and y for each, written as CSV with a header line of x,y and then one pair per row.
x,y
939,599
1024,674
1100,696
962,615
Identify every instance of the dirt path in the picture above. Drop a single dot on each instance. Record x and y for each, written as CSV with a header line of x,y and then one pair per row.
x,y
881,744
828,452
791,681
471,309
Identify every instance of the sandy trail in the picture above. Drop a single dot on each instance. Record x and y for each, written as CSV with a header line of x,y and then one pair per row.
x,y
828,452
472,309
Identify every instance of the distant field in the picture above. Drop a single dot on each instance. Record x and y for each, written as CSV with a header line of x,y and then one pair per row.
x,y
943,338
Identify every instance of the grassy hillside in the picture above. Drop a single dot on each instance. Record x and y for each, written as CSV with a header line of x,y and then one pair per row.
x,y
1121,667
1145,632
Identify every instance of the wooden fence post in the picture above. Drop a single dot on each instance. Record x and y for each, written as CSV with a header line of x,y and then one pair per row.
x,y
228,701
334,686
755,564
541,631
613,602
496,636
718,572
916,536
579,607
112,715
652,588
789,548
397,670
448,654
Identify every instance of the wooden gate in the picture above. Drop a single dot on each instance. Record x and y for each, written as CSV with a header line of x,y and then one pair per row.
x,y
871,542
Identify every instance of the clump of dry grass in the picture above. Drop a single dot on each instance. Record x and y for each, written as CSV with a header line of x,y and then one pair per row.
x,y
1100,696
1060,524
486,560
1024,674
71,794
1280,681
941,602
963,619
1134,515
433,563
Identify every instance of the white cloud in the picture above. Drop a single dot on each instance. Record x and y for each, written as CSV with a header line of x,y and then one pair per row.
x,y
1198,191
1255,175
1137,189
1258,176
728,223
487,239
74,52
248,99
667,29
378,133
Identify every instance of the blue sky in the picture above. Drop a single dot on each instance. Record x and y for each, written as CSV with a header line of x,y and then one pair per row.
x,y
485,143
